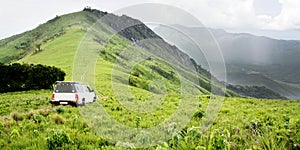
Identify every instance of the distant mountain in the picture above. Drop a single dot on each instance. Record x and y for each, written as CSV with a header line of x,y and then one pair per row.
x,y
250,60
255,91
290,34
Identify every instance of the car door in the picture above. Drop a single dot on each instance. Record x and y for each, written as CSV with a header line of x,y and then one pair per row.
x,y
92,94
80,92
88,94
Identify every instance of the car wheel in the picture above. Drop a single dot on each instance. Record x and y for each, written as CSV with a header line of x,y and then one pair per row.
x,y
83,102
76,104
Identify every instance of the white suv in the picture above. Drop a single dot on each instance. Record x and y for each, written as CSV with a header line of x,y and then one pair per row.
x,y
73,93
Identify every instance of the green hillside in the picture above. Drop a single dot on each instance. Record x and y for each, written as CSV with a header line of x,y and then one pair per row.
x,y
60,38
59,52
29,42
28,121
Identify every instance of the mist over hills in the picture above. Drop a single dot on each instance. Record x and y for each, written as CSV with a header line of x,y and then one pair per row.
x,y
250,60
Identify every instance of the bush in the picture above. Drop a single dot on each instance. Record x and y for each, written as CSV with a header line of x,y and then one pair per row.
x,y
219,139
57,139
37,118
45,112
60,110
58,119
17,116
199,114
23,77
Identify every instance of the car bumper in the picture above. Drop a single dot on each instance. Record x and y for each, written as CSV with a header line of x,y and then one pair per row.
x,y
63,102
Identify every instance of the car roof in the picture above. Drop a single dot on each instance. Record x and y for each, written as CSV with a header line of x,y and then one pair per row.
x,y
69,82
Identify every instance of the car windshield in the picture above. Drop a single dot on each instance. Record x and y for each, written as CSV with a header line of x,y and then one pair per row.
x,y
64,88
89,89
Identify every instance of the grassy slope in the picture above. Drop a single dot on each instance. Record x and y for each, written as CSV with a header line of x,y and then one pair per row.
x,y
238,117
59,52
242,123
41,35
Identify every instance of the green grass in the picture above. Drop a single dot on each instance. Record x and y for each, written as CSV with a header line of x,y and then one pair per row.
x,y
59,52
23,101
28,121
15,47
241,124
35,129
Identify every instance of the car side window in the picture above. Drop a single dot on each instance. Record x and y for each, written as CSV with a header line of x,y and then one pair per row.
x,y
79,88
86,89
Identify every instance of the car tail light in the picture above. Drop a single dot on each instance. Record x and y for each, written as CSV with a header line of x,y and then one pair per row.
x,y
53,96
76,97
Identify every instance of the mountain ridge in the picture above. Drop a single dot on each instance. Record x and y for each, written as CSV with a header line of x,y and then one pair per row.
x,y
61,35
46,37
243,53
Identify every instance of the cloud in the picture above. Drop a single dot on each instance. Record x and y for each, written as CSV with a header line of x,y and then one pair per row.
x,y
18,16
241,14
289,17
219,13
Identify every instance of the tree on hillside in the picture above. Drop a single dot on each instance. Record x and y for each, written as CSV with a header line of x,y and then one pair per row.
x,y
21,77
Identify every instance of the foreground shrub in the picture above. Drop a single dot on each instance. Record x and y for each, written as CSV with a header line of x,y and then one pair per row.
x,y
58,119
57,139
17,116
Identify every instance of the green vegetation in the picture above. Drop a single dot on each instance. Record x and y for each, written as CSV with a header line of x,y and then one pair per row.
x,y
28,121
59,52
32,42
22,77
241,124
20,102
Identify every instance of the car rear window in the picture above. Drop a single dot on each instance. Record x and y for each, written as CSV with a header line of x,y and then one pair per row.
x,y
64,88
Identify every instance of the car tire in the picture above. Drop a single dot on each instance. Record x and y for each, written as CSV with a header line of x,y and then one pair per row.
x,y
76,104
83,102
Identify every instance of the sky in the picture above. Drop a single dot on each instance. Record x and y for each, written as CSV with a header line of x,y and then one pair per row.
x,y
274,18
